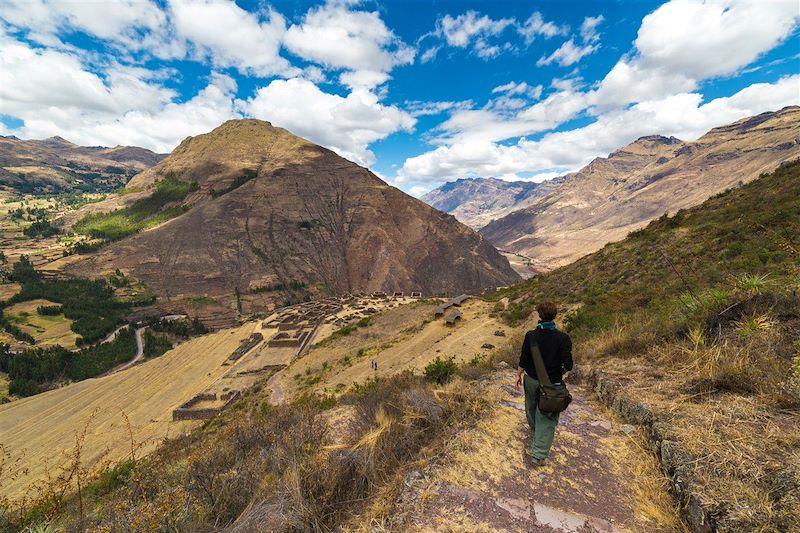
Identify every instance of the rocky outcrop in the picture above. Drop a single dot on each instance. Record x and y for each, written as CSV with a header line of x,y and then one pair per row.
x,y
478,201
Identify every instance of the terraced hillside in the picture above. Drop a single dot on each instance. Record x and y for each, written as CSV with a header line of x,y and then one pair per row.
x,y
55,165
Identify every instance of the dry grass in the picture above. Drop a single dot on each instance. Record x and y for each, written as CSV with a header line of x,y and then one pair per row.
x,y
278,469
728,402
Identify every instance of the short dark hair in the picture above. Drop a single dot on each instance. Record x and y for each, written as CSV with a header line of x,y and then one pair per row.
x,y
547,311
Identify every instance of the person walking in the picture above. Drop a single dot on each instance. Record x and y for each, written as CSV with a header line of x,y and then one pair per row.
x,y
556,352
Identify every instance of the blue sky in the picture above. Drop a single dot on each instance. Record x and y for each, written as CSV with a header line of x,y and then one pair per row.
x,y
420,92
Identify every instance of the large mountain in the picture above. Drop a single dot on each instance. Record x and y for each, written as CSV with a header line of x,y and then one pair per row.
x,y
478,201
56,165
266,211
654,175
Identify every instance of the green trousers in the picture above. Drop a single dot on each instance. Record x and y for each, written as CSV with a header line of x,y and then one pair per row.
x,y
543,425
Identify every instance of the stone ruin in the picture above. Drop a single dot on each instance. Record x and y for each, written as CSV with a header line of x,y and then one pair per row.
x,y
192,409
453,302
451,319
245,346
289,339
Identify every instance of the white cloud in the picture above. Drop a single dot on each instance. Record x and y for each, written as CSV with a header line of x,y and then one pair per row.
x,y
686,41
424,108
470,30
536,25
338,37
347,125
233,37
682,115
459,31
110,20
521,88
570,53
30,74
589,32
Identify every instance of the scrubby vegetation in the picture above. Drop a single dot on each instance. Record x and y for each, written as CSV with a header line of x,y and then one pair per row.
x,y
268,468
142,214
155,345
89,304
37,369
41,227
698,314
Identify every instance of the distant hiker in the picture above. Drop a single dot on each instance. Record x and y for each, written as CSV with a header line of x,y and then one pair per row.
x,y
542,410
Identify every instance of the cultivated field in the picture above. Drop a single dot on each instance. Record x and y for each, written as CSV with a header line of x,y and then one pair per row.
x,y
47,330
42,429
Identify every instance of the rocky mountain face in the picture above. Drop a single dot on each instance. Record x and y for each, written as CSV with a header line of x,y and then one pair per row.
x,y
271,212
56,165
615,195
478,201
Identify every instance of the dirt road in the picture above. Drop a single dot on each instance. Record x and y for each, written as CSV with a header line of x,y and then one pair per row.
x,y
139,353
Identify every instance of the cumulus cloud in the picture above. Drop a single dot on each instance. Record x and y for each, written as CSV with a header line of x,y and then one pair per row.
x,y
112,20
233,37
686,41
345,124
682,115
536,26
29,75
338,37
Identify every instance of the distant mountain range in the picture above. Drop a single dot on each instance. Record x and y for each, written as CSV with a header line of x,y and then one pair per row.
x,y
614,195
55,165
478,201
250,208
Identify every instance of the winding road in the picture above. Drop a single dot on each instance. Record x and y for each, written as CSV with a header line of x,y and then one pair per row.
x,y
139,353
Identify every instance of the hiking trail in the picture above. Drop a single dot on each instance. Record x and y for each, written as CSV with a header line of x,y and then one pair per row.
x,y
599,478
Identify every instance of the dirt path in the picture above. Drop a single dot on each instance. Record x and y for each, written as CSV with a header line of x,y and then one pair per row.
x,y
597,479
113,335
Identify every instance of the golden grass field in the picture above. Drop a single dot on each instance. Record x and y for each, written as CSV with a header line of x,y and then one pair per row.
x,y
42,429
7,290
46,330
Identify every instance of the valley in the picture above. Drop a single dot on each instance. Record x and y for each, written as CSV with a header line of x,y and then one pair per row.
x,y
141,363
563,219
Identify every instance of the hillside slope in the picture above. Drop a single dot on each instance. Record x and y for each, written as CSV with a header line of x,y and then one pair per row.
x,y
694,325
56,165
258,209
613,196
478,201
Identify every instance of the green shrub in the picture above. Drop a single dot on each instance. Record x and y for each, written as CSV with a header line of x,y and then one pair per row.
x,y
50,310
155,345
142,214
441,370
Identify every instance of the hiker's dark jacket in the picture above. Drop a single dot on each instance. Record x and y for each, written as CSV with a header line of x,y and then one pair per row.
x,y
556,349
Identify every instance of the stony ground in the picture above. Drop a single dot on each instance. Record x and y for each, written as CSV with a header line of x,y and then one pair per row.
x,y
599,477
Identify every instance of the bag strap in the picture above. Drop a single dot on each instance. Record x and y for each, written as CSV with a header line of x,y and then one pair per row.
x,y
541,371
